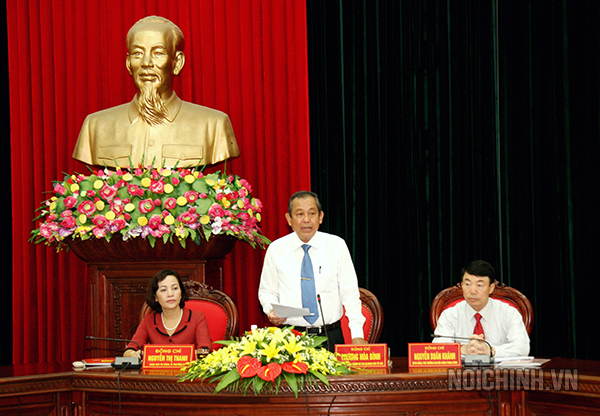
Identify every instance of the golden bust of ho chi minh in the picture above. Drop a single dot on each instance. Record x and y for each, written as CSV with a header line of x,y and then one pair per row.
x,y
157,126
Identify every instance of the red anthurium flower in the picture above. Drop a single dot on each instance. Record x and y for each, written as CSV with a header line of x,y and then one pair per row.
x,y
248,366
269,372
296,368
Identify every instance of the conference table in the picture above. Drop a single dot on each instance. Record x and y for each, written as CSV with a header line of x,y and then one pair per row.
x,y
561,386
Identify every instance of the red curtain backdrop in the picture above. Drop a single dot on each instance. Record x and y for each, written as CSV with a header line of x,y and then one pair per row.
x,y
247,58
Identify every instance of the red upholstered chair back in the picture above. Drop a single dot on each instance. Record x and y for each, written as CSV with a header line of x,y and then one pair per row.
x,y
219,309
373,312
449,297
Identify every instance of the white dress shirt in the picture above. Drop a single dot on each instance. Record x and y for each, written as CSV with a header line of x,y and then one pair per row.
x,y
502,325
335,279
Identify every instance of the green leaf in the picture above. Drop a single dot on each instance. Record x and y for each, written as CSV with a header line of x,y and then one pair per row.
x,y
292,381
258,384
229,378
203,205
320,376
200,186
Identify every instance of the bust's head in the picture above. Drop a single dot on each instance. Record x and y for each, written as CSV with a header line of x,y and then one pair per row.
x,y
154,57
175,35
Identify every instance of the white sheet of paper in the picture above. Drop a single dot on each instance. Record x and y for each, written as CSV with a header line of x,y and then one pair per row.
x,y
289,312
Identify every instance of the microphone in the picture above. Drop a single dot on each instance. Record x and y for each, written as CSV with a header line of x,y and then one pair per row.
x,y
323,319
122,362
472,360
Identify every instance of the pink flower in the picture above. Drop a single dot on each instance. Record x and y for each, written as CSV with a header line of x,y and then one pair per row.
x,y
100,221
244,216
117,207
70,202
216,210
170,203
99,232
154,221
135,190
191,196
175,181
87,208
48,229
60,189
187,217
157,187
117,225
160,231
68,222
146,205
108,192
246,185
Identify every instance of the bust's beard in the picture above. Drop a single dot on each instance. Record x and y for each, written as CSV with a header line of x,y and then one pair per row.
x,y
151,106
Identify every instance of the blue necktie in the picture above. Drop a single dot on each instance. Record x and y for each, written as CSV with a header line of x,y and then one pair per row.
x,y
309,293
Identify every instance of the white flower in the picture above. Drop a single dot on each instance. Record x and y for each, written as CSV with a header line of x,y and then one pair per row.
x,y
217,225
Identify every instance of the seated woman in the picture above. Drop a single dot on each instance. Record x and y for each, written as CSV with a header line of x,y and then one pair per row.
x,y
171,322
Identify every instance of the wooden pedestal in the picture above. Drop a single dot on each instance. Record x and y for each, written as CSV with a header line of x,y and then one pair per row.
x,y
120,271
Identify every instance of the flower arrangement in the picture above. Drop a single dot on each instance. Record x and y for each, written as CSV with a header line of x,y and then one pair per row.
x,y
265,357
151,203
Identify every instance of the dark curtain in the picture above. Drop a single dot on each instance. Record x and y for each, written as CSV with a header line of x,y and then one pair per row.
x,y
5,211
448,131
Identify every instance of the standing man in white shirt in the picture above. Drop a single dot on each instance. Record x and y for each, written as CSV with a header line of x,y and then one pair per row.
x,y
318,260
481,317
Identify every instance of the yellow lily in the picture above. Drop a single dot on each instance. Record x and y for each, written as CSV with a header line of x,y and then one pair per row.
x,y
271,351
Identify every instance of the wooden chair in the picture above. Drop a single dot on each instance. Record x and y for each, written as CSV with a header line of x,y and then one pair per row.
x,y
449,297
372,310
219,309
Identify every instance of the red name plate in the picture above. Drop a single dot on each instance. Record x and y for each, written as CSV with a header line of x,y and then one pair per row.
x,y
364,355
433,355
167,356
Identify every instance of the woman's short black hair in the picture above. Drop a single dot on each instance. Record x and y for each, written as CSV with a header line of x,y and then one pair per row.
x,y
153,288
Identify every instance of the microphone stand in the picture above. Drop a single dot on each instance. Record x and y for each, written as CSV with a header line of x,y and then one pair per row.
x,y
122,362
475,360
323,320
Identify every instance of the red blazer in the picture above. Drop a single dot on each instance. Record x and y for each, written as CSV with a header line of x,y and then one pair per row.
x,y
193,329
